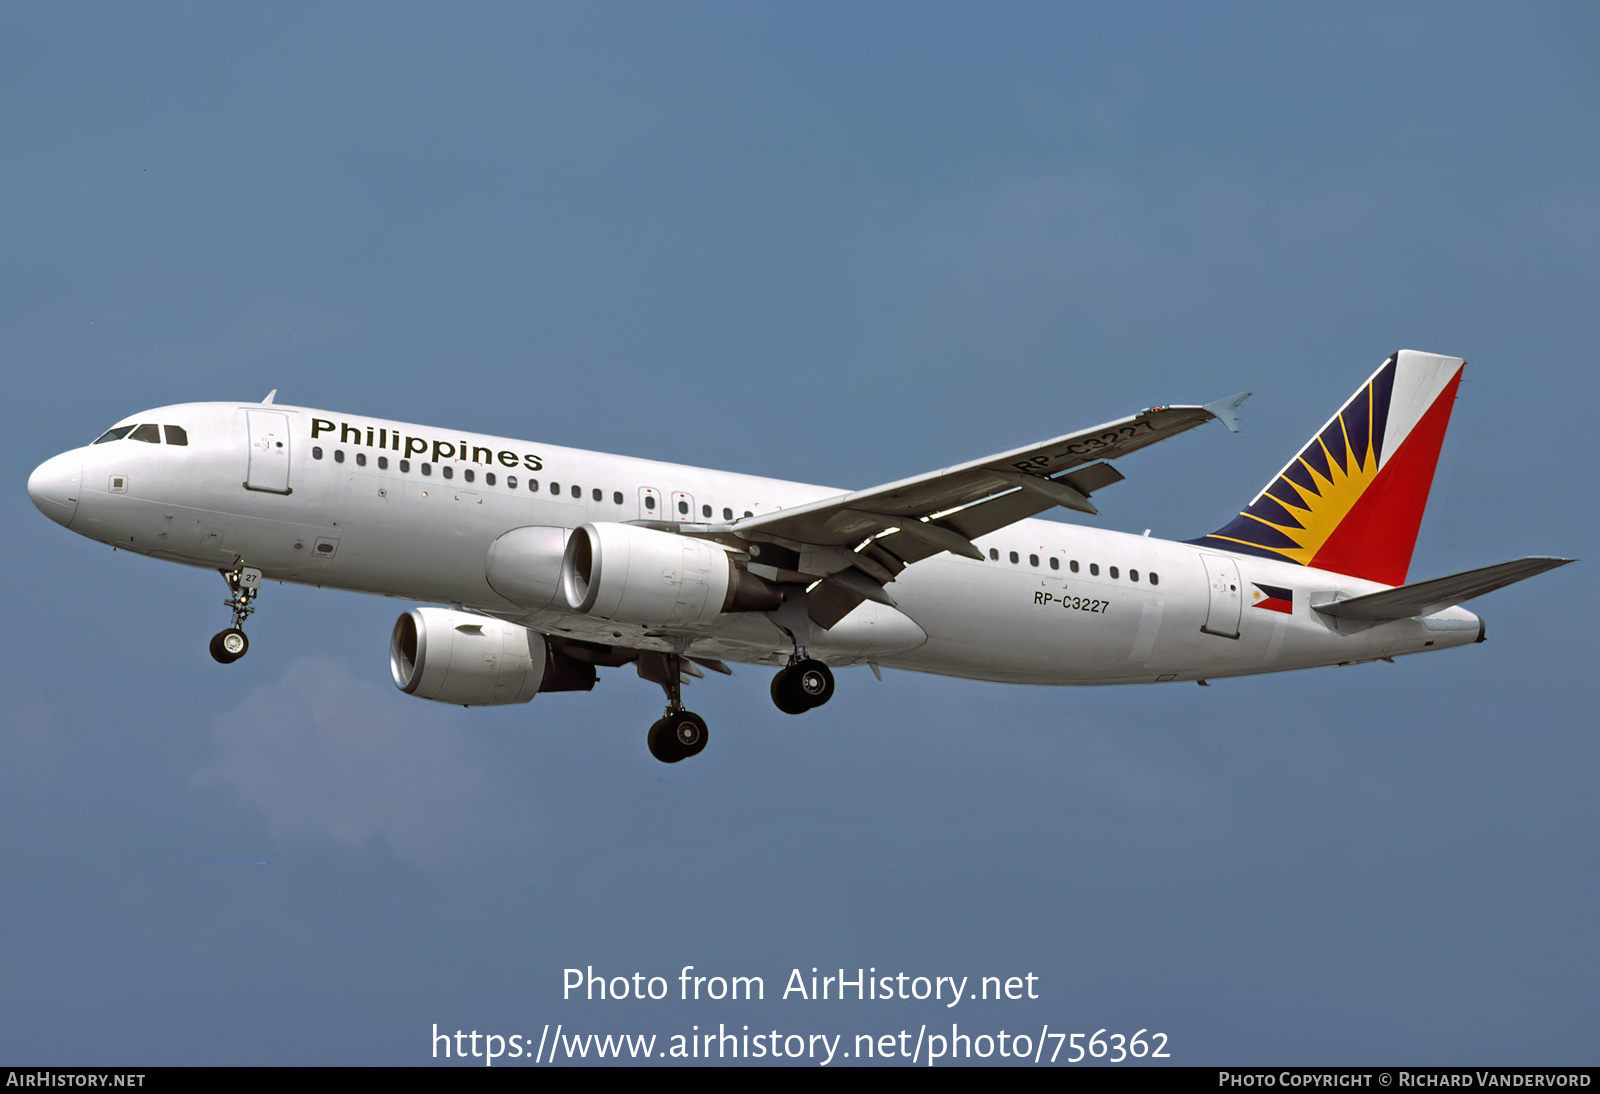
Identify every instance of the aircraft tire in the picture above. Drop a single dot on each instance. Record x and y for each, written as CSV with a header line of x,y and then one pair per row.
x,y
689,733
786,693
229,645
663,746
814,680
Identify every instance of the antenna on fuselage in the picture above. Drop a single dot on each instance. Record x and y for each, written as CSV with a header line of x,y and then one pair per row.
x,y
271,395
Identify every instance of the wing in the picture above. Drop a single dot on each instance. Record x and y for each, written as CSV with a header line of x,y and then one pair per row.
x,y
859,542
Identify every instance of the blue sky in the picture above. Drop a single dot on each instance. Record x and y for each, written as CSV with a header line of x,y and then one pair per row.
x,y
840,244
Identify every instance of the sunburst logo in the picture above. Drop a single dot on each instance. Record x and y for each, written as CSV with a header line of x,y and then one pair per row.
x,y
1294,516
1318,502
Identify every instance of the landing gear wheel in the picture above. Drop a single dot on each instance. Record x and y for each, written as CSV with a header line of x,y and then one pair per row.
x,y
814,680
229,645
786,696
662,745
804,685
678,736
689,732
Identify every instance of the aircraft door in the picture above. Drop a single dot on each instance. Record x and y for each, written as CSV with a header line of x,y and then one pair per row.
x,y
269,451
682,507
1225,601
650,507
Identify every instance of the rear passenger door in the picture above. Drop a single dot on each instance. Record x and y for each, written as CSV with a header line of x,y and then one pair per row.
x,y
1225,601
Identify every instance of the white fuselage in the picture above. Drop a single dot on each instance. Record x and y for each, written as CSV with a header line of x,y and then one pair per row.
x,y
1113,608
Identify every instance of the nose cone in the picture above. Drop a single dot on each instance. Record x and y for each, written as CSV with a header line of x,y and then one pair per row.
x,y
54,485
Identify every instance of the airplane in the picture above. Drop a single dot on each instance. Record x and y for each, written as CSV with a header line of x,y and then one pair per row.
x,y
540,565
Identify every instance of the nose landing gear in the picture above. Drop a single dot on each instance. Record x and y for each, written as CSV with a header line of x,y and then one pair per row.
x,y
805,685
244,585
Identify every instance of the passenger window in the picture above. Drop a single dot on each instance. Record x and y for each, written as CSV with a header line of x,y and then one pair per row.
x,y
705,511
555,488
176,434
427,469
649,502
511,482
488,477
1094,569
1073,565
577,491
1013,556
316,452
148,433
1155,578
361,459
1113,571
616,498
533,485
683,508
383,463
405,465
114,434
1033,560
448,471
469,474
748,513
338,455
727,514
1055,563
1133,575
994,554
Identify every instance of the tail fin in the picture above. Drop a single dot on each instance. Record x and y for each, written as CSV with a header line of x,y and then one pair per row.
x,y
1352,500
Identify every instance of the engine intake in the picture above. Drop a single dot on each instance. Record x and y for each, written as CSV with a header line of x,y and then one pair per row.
x,y
628,574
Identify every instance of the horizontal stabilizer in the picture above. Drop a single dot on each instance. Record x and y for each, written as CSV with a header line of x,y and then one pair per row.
x,y
1427,597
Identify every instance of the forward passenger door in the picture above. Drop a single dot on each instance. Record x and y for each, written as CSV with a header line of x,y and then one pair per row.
x,y
269,451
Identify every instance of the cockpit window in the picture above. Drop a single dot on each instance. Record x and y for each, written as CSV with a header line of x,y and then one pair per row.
x,y
114,434
149,433
176,434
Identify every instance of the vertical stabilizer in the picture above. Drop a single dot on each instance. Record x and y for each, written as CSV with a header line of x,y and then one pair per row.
x,y
1351,501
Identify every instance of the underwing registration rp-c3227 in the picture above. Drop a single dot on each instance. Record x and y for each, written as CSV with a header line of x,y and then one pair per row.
x,y
556,562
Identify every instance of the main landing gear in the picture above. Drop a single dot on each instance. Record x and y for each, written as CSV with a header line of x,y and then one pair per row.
x,y
679,733
244,585
806,684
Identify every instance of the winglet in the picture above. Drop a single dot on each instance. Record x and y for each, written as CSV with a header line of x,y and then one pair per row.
x,y
1223,410
271,395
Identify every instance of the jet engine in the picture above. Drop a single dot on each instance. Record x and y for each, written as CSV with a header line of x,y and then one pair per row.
x,y
524,565
473,660
629,574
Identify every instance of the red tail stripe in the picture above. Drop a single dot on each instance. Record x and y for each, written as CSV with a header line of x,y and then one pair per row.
x,y
1377,536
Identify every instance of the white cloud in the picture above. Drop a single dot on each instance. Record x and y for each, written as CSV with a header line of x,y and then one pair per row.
x,y
324,754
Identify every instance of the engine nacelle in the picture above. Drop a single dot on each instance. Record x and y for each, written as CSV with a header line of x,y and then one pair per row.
x,y
524,565
470,660
629,574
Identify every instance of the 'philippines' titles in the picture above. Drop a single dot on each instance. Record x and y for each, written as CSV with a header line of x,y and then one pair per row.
x,y
391,440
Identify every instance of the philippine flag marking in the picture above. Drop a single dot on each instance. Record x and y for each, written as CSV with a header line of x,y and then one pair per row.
x,y
1272,598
